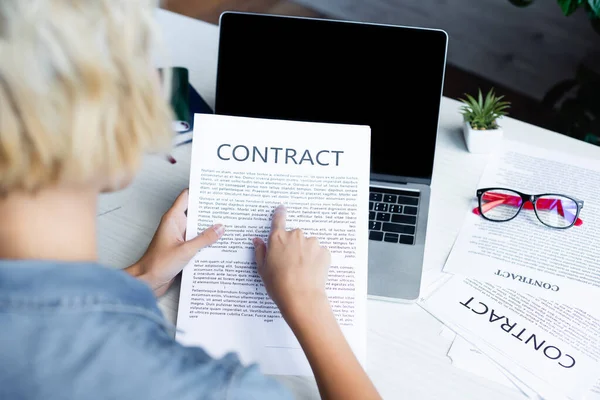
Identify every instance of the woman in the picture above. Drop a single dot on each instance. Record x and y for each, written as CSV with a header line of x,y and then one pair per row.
x,y
79,105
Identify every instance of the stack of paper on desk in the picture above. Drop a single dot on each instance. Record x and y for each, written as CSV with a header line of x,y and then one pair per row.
x,y
469,358
526,298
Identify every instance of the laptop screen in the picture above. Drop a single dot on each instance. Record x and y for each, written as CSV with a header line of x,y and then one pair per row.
x,y
387,77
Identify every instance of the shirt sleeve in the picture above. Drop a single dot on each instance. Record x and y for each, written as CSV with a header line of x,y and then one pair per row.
x,y
146,363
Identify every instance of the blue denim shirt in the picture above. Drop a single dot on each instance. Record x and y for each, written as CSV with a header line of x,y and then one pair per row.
x,y
83,331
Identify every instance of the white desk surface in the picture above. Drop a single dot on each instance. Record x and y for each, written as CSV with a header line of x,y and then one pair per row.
x,y
406,356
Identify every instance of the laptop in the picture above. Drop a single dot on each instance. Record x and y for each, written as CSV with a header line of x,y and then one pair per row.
x,y
388,77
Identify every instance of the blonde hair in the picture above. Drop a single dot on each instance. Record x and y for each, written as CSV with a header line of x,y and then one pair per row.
x,y
79,98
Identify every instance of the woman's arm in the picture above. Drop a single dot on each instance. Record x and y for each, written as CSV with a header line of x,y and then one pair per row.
x,y
294,271
337,371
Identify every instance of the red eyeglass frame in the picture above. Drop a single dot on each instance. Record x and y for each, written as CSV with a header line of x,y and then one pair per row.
x,y
524,201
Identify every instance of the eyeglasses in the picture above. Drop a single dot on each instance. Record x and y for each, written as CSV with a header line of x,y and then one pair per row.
x,y
553,210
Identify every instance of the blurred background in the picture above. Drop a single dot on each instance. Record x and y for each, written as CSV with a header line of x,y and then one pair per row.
x,y
543,56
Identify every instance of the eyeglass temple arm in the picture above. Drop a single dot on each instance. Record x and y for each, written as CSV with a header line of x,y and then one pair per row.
x,y
496,199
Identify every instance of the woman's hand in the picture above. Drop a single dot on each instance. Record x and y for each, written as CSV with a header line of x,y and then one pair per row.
x,y
168,252
292,267
294,271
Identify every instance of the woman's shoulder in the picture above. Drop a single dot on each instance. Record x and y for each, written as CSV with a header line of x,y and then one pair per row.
x,y
87,331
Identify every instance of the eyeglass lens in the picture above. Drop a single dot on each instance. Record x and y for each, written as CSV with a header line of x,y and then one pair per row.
x,y
556,210
500,204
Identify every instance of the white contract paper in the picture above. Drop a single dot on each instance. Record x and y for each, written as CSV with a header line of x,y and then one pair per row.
x,y
549,347
469,358
523,254
241,169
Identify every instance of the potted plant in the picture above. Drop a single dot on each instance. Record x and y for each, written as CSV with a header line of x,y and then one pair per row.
x,y
481,130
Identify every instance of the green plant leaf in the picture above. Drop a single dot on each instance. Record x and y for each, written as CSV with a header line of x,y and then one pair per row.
x,y
595,6
489,98
483,112
591,138
472,102
568,7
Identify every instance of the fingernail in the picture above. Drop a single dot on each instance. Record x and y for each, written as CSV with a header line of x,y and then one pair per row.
x,y
255,242
280,208
219,229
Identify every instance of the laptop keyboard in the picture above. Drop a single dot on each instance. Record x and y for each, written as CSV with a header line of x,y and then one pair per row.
x,y
393,215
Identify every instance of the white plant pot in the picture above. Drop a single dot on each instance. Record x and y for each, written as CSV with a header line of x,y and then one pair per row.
x,y
482,141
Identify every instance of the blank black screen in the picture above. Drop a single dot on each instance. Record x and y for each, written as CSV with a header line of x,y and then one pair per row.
x,y
387,77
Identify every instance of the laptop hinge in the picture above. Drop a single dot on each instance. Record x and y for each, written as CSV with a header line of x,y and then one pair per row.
x,y
399,180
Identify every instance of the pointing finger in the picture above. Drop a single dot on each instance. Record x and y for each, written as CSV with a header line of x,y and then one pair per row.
x,y
260,250
278,221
